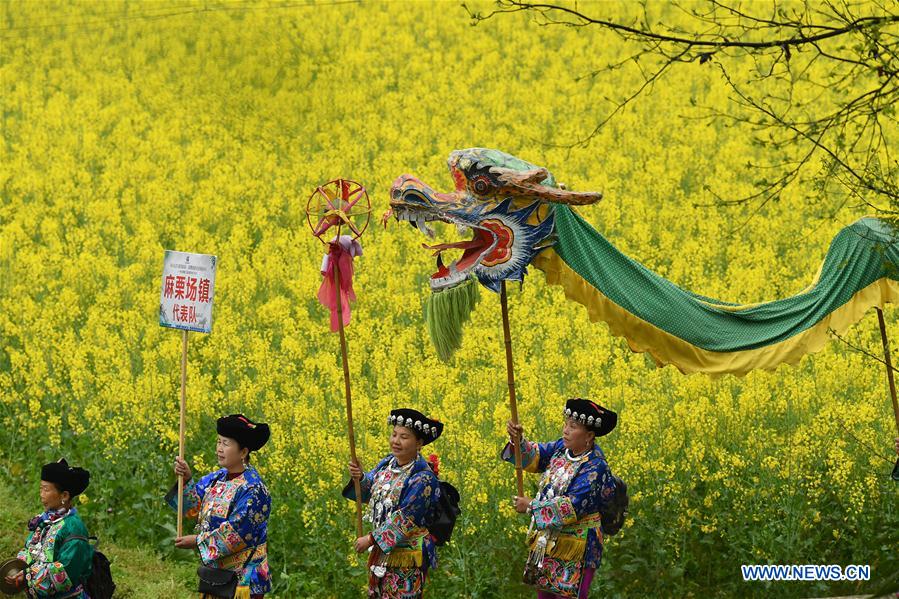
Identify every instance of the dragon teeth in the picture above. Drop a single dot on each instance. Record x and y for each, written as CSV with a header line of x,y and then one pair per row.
x,y
424,228
419,220
454,277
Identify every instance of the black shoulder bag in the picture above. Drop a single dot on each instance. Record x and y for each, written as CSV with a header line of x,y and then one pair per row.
x,y
220,582
99,585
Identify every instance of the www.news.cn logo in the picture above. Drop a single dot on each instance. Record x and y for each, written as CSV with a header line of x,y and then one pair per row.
x,y
805,572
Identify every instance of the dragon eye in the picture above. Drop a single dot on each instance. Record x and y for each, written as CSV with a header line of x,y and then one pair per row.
x,y
481,184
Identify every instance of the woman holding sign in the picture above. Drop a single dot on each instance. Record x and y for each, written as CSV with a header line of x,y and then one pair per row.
x,y
232,507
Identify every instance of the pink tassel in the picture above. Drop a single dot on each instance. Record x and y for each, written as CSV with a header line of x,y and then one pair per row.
x,y
340,254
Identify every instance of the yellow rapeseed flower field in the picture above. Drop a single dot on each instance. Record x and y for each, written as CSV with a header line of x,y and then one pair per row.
x,y
131,128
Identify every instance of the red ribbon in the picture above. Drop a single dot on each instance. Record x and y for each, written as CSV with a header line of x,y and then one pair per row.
x,y
340,254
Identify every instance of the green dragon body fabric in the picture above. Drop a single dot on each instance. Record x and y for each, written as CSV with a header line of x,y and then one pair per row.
x,y
520,216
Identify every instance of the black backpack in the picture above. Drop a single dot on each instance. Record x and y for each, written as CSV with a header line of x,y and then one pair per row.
x,y
441,528
100,584
614,512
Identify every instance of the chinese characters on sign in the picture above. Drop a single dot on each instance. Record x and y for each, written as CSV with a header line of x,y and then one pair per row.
x,y
188,285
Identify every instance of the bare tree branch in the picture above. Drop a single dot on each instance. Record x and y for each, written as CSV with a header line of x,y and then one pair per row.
x,y
862,350
698,40
827,76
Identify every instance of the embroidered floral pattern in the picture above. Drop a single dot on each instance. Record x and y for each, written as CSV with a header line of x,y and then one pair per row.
x,y
571,492
50,572
407,501
401,583
561,577
232,520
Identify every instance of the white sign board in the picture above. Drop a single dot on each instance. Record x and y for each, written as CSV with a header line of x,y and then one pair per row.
x,y
188,286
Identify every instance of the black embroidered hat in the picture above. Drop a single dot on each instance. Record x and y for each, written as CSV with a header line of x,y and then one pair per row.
x,y
252,435
426,429
592,415
73,480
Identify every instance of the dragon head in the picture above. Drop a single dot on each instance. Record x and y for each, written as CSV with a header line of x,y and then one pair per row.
x,y
503,200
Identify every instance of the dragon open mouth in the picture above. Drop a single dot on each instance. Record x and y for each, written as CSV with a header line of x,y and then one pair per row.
x,y
504,201
506,204
490,244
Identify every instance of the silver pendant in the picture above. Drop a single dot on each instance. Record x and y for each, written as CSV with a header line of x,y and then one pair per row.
x,y
540,551
379,571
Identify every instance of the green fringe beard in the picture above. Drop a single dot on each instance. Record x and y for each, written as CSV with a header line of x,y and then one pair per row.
x,y
446,311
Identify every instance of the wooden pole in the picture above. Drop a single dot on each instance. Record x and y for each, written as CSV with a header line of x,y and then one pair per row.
x,y
510,377
889,365
346,383
886,358
181,428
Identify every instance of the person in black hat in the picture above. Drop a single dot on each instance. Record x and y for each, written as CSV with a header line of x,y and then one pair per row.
x,y
565,536
402,493
232,506
57,554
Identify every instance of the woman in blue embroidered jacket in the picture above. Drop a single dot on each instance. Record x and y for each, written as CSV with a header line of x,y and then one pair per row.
x,y
565,537
402,493
232,507
58,557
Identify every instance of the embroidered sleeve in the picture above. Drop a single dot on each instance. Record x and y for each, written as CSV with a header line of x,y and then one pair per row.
x,y
553,513
193,495
534,456
23,553
365,483
245,526
47,579
349,491
72,565
415,510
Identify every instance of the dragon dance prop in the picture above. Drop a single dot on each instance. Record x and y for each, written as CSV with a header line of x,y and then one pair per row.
x,y
340,205
520,215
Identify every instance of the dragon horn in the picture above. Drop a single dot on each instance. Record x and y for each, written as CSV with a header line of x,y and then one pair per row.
x,y
528,183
